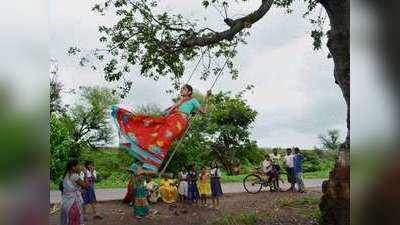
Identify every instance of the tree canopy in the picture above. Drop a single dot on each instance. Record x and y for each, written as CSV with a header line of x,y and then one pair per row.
x,y
223,135
160,43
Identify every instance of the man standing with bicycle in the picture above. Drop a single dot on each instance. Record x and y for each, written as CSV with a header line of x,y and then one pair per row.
x,y
289,166
267,168
275,158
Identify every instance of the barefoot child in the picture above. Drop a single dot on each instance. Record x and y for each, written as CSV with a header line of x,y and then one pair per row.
x,y
216,190
192,184
183,185
204,186
168,189
141,206
88,195
72,202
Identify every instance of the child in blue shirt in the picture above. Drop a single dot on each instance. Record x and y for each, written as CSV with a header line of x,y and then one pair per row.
x,y
298,160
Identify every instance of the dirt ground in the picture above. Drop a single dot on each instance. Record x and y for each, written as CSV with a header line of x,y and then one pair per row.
x,y
263,208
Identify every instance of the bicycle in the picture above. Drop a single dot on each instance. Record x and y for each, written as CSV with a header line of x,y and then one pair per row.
x,y
254,182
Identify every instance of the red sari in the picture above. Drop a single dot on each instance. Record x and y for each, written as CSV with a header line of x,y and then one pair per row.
x,y
149,138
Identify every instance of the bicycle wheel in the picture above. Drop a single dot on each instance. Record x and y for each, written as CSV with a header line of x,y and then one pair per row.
x,y
252,183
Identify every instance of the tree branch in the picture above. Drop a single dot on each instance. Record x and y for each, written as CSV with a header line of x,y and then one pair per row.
x,y
235,27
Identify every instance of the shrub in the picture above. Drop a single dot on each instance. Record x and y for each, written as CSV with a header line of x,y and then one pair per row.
x,y
62,147
312,162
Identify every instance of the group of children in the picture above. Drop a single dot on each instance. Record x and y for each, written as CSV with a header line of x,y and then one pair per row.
x,y
190,187
293,167
209,185
77,189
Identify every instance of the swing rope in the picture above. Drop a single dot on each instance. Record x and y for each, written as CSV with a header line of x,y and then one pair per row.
x,y
189,120
195,68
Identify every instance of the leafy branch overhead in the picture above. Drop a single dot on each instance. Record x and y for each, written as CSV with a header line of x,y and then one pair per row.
x,y
160,44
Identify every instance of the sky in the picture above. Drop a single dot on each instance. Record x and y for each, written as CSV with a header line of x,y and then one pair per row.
x,y
295,94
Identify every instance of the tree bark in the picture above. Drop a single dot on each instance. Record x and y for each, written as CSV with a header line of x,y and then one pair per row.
x,y
235,26
335,202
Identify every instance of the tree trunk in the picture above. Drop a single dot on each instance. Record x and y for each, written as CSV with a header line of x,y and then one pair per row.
x,y
335,202
229,166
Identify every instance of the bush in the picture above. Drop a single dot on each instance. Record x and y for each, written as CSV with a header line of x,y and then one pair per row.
x,y
62,147
311,163
103,175
246,167
107,162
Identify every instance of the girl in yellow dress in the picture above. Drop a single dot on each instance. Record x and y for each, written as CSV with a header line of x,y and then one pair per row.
x,y
168,190
204,186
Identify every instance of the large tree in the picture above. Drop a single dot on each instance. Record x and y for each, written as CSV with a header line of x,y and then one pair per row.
x,y
222,135
229,126
160,43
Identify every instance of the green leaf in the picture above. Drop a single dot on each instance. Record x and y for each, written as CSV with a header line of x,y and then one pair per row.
x,y
205,3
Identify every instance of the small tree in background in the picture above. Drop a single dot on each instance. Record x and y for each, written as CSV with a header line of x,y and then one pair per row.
x,y
88,122
331,141
80,126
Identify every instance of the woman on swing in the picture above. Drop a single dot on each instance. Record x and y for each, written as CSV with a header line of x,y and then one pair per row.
x,y
149,138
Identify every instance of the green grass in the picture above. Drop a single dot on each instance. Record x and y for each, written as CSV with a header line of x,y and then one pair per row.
x,y
316,174
242,218
296,202
232,179
304,206
310,213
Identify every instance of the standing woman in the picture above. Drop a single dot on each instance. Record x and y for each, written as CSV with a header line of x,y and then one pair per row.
x,y
149,138
216,190
183,184
72,202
